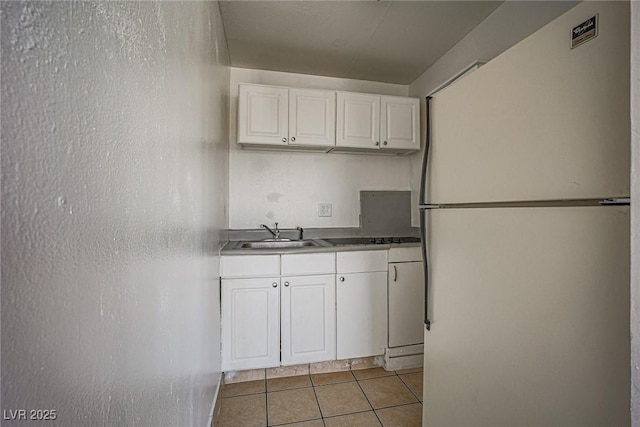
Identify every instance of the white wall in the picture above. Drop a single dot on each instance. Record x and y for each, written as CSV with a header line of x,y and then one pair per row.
x,y
114,192
507,25
510,23
635,213
286,186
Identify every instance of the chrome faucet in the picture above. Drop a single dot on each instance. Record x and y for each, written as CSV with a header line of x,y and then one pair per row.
x,y
300,231
276,233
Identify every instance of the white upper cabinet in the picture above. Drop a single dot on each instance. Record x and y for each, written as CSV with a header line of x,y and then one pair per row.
x,y
383,124
274,117
312,118
358,120
400,123
280,117
263,115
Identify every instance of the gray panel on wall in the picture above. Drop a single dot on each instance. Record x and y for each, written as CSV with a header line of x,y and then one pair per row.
x,y
385,213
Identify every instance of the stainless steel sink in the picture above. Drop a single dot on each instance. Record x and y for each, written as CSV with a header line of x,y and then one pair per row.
x,y
278,244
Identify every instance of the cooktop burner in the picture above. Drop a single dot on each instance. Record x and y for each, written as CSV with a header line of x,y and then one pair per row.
x,y
344,241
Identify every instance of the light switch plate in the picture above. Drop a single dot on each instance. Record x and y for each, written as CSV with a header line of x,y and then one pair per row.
x,y
324,209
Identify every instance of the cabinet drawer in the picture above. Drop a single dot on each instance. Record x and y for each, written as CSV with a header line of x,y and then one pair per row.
x,y
299,264
250,266
361,261
413,253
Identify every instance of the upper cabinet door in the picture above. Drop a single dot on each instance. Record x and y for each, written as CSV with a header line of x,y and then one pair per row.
x,y
312,118
400,126
358,120
263,115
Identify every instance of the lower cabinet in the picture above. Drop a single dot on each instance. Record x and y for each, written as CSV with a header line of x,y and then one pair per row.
x,y
361,295
406,304
250,323
308,319
361,314
292,309
261,315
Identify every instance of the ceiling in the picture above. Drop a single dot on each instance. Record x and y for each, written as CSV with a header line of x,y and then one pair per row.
x,y
385,41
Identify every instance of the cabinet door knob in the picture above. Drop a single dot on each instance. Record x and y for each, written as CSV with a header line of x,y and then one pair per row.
x,y
395,270
284,139
293,138
342,279
377,143
286,284
384,143
274,284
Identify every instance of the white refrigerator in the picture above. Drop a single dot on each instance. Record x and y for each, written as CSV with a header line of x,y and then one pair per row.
x,y
526,234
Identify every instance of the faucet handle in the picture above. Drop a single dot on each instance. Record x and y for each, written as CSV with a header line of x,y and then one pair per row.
x,y
276,226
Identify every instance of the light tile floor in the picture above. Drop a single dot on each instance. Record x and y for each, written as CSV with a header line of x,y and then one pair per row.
x,y
368,397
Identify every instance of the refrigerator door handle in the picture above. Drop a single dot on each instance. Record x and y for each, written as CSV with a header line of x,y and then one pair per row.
x,y
429,206
425,264
423,207
624,201
425,157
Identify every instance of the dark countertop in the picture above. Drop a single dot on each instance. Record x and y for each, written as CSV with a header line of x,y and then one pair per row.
x,y
324,245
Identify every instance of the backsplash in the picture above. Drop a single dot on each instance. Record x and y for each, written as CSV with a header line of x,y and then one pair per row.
x,y
385,213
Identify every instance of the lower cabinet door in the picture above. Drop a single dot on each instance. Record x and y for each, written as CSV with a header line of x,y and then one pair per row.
x,y
361,314
406,304
250,323
308,319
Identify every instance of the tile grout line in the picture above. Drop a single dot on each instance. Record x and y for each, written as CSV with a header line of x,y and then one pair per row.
x,y
295,388
407,385
266,404
368,401
317,401
351,413
266,397
392,406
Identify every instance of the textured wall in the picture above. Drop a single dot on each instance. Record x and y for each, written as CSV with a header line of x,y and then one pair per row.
x,y
635,213
287,186
114,192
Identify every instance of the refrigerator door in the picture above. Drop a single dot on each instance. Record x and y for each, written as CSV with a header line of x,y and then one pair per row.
x,y
529,313
539,122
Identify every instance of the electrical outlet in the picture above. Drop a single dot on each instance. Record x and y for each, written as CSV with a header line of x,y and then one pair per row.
x,y
324,209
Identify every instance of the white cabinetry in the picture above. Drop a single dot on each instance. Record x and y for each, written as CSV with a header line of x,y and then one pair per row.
x,y
250,323
390,124
406,308
406,303
399,123
361,303
250,266
358,120
272,321
263,115
280,117
308,320
312,118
